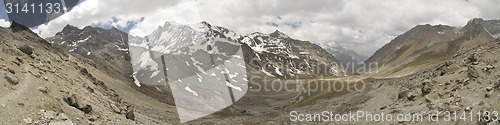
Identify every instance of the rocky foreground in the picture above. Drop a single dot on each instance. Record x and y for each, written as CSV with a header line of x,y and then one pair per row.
x,y
44,85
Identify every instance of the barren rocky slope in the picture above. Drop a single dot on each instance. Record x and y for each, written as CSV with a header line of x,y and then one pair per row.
x,y
426,44
43,84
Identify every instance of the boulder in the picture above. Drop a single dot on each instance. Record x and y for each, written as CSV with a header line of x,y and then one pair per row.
x,y
130,114
11,78
86,109
26,49
76,102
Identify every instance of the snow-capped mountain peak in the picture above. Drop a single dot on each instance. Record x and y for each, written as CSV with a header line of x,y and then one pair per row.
x,y
278,34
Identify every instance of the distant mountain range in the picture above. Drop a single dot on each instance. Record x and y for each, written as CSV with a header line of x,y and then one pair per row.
x,y
274,54
349,59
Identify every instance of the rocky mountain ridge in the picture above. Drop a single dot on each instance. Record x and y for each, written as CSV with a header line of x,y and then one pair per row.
x,y
426,44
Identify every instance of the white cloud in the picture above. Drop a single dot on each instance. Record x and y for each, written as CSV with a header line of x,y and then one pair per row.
x,y
362,25
4,23
184,13
92,12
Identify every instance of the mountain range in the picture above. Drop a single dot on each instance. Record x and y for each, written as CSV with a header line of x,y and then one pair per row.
x,y
424,45
274,54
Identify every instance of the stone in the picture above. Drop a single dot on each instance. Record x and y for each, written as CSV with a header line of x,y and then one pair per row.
x,y
454,108
54,118
472,73
130,114
43,89
427,99
490,67
26,49
488,94
468,109
403,93
115,108
489,88
475,63
472,58
3,105
11,78
411,97
11,70
426,89
20,59
76,102
17,63
86,109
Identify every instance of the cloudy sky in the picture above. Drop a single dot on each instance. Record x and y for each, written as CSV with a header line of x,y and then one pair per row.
x,y
361,25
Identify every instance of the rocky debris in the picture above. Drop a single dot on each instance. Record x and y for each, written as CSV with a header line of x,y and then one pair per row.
x,y
26,49
28,120
489,68
53,118
11,78
76,102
